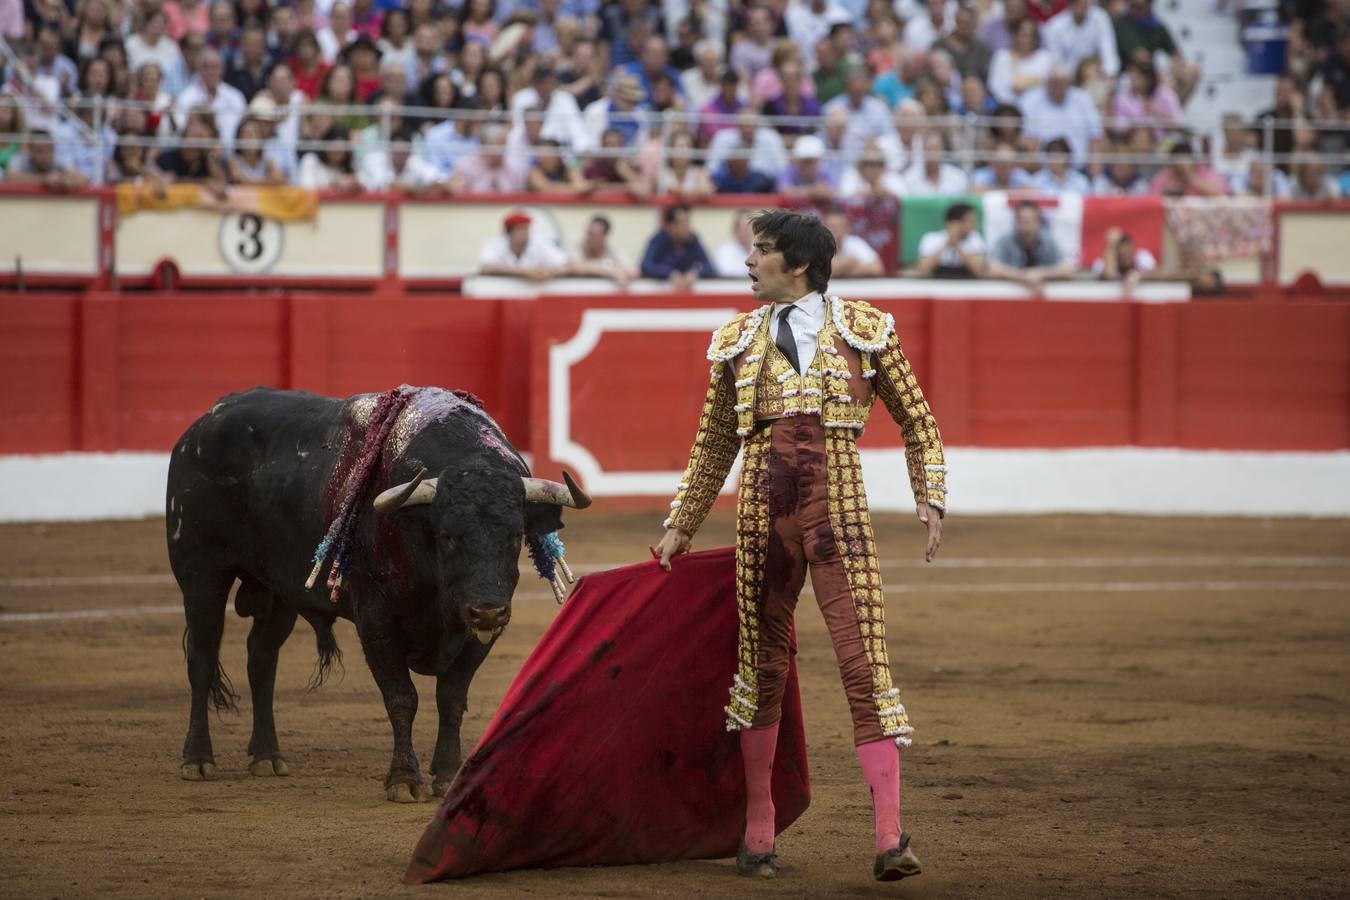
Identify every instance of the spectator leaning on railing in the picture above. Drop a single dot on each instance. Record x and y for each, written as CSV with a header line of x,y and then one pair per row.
x,y
1122,261
1029,255
37,164
595,256
194,160
957,251
397,169
485,171
854,257
248,163
552,172
333,168
521,253
675,253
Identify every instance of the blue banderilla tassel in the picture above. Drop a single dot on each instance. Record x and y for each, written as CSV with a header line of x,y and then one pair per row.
x,y
546,552
541,554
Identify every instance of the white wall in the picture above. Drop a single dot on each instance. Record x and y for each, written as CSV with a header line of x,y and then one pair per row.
x,y
82,486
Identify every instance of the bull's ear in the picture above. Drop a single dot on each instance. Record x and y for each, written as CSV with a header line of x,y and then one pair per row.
x,y
418,491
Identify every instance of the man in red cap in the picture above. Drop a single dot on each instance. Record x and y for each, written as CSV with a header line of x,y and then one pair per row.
x,y
517,252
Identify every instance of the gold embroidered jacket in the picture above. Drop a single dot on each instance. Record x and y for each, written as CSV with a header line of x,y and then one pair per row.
x,y
859,358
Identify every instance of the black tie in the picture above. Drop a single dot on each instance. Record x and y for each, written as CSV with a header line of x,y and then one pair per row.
x,y
786,340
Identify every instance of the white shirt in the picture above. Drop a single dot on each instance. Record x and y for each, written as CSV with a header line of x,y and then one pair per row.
x,y
852,184
1070,43
1143,262
697,89
1074,182
163,53
315,174
377,172
538,252
807,27
936,241
729,260
921,33
767,155
854,247
228,104
872,118
950,180
1003,70
806,323
562,118
1076,119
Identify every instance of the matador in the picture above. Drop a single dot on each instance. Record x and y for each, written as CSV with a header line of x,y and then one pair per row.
x,y
791,385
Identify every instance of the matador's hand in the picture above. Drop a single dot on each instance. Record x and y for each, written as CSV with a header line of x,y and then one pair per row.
x,y
672,544
929,516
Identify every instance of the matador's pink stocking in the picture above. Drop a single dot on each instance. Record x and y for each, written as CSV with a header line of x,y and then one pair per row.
x,y
757,747
881,768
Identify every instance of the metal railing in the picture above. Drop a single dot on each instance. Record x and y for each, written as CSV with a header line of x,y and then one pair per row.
x,y
965,137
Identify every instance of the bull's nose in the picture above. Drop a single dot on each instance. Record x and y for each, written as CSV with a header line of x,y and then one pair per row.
x,y
489,618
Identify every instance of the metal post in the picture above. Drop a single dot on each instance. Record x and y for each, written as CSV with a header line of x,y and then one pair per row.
x,y
1268,152
100,170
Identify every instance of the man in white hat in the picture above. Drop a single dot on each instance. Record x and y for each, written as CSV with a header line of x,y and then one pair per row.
x,y
807,176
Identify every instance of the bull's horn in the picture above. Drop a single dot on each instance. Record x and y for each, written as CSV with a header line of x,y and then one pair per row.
x,y
541,490
412,493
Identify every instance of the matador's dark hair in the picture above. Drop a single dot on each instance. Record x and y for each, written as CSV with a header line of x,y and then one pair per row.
x,y
803,240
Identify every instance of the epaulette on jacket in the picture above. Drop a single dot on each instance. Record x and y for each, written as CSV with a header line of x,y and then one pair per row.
x,y
861,324
731,339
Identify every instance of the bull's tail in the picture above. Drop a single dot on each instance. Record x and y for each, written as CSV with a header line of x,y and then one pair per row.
x,y
330,654
220,692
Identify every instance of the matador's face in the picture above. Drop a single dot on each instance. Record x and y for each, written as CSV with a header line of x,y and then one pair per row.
x,y
770,278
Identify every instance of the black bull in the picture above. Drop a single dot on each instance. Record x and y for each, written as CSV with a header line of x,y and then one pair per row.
x,y
429,585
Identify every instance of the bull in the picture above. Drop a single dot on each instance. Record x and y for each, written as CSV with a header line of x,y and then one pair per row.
x,y
431,564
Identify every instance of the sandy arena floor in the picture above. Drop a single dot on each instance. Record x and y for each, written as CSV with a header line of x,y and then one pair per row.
x,y
1106,707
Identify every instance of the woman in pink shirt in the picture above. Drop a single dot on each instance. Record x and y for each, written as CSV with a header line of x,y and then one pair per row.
x,y
1146,101
186,17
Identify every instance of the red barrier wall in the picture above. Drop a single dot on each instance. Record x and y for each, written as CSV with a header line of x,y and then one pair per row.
x,y
1223,375
39,373
109,372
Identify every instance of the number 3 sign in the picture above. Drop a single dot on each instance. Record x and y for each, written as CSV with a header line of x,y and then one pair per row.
x,y
249,243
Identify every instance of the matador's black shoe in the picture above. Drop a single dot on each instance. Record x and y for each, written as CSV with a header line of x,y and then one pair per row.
x,y
897,862
756,865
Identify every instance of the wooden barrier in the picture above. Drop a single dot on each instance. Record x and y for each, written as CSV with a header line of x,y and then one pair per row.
x,y
376,241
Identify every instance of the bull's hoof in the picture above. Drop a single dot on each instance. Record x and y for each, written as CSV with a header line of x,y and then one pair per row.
x,y
267,767
199,771
408,793
439,786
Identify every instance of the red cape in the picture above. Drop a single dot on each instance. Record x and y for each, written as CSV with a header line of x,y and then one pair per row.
x,y
611,747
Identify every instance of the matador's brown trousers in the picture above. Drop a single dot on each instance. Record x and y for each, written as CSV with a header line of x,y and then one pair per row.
x,y
800,536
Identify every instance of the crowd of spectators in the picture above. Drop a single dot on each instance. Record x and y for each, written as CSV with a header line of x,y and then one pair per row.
x,y
878,98
1028,255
